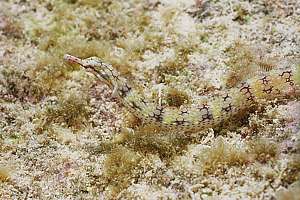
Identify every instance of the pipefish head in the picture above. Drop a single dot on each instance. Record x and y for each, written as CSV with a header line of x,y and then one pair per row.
x,y
95,66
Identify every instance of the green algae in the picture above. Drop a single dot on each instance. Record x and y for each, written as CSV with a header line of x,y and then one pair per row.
x,y
222,155
119,166
263,150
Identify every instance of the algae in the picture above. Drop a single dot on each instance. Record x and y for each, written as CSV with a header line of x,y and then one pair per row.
x,y
52,112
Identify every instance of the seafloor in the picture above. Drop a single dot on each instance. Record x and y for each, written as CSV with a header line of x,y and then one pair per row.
x,y
63,136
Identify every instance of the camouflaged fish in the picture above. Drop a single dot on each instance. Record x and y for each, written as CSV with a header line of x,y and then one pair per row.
x,y
275,85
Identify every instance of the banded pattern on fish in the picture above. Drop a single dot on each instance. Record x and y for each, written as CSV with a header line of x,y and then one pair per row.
x,y
275,85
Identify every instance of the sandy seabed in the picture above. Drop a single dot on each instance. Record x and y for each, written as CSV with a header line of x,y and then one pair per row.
x,y
63,136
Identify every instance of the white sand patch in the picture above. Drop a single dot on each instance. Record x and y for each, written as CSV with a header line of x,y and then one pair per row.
x,y
185,25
